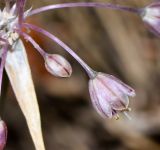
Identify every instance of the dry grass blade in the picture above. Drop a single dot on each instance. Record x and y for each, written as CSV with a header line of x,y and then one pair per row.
x,y
19,74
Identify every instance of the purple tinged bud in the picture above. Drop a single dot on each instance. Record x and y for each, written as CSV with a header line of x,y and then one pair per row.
x,y
3,134
109,95
151,17
57,65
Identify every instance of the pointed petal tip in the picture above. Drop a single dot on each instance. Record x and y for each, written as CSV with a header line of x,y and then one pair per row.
x,y
132,93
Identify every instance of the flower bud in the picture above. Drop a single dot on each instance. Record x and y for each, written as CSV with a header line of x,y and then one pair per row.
x,y
3,134
58,65
109,95
151,16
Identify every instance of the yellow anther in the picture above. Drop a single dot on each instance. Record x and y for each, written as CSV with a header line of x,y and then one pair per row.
x,y
116,117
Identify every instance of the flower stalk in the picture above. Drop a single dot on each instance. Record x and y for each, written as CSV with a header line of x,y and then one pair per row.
x,y
7,2
32,41
89,71
20,6
84,4
55,64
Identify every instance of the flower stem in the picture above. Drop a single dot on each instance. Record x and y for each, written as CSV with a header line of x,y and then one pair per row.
x,y
7,5
20,5
84,4
31,40
91,73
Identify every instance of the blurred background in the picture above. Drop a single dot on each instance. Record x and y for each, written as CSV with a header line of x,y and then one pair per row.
x,y
110,41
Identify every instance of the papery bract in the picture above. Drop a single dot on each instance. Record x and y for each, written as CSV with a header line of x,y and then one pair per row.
x,y
19,74
57,65
109,95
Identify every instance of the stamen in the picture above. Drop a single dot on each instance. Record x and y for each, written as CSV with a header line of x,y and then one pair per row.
x,y
126,109
116,117
126,114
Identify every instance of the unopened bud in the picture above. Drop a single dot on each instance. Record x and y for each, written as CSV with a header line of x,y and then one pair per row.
x,y
58,65
109,95
151,16
3,134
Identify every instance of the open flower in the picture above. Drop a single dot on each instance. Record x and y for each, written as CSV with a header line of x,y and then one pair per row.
x,y
109,95
151,16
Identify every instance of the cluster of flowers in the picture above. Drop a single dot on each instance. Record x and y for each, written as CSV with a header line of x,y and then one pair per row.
x,y
109,95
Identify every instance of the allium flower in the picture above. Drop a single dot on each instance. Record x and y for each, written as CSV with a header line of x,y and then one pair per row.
x,y
58,65
3,134
151,16
109,95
